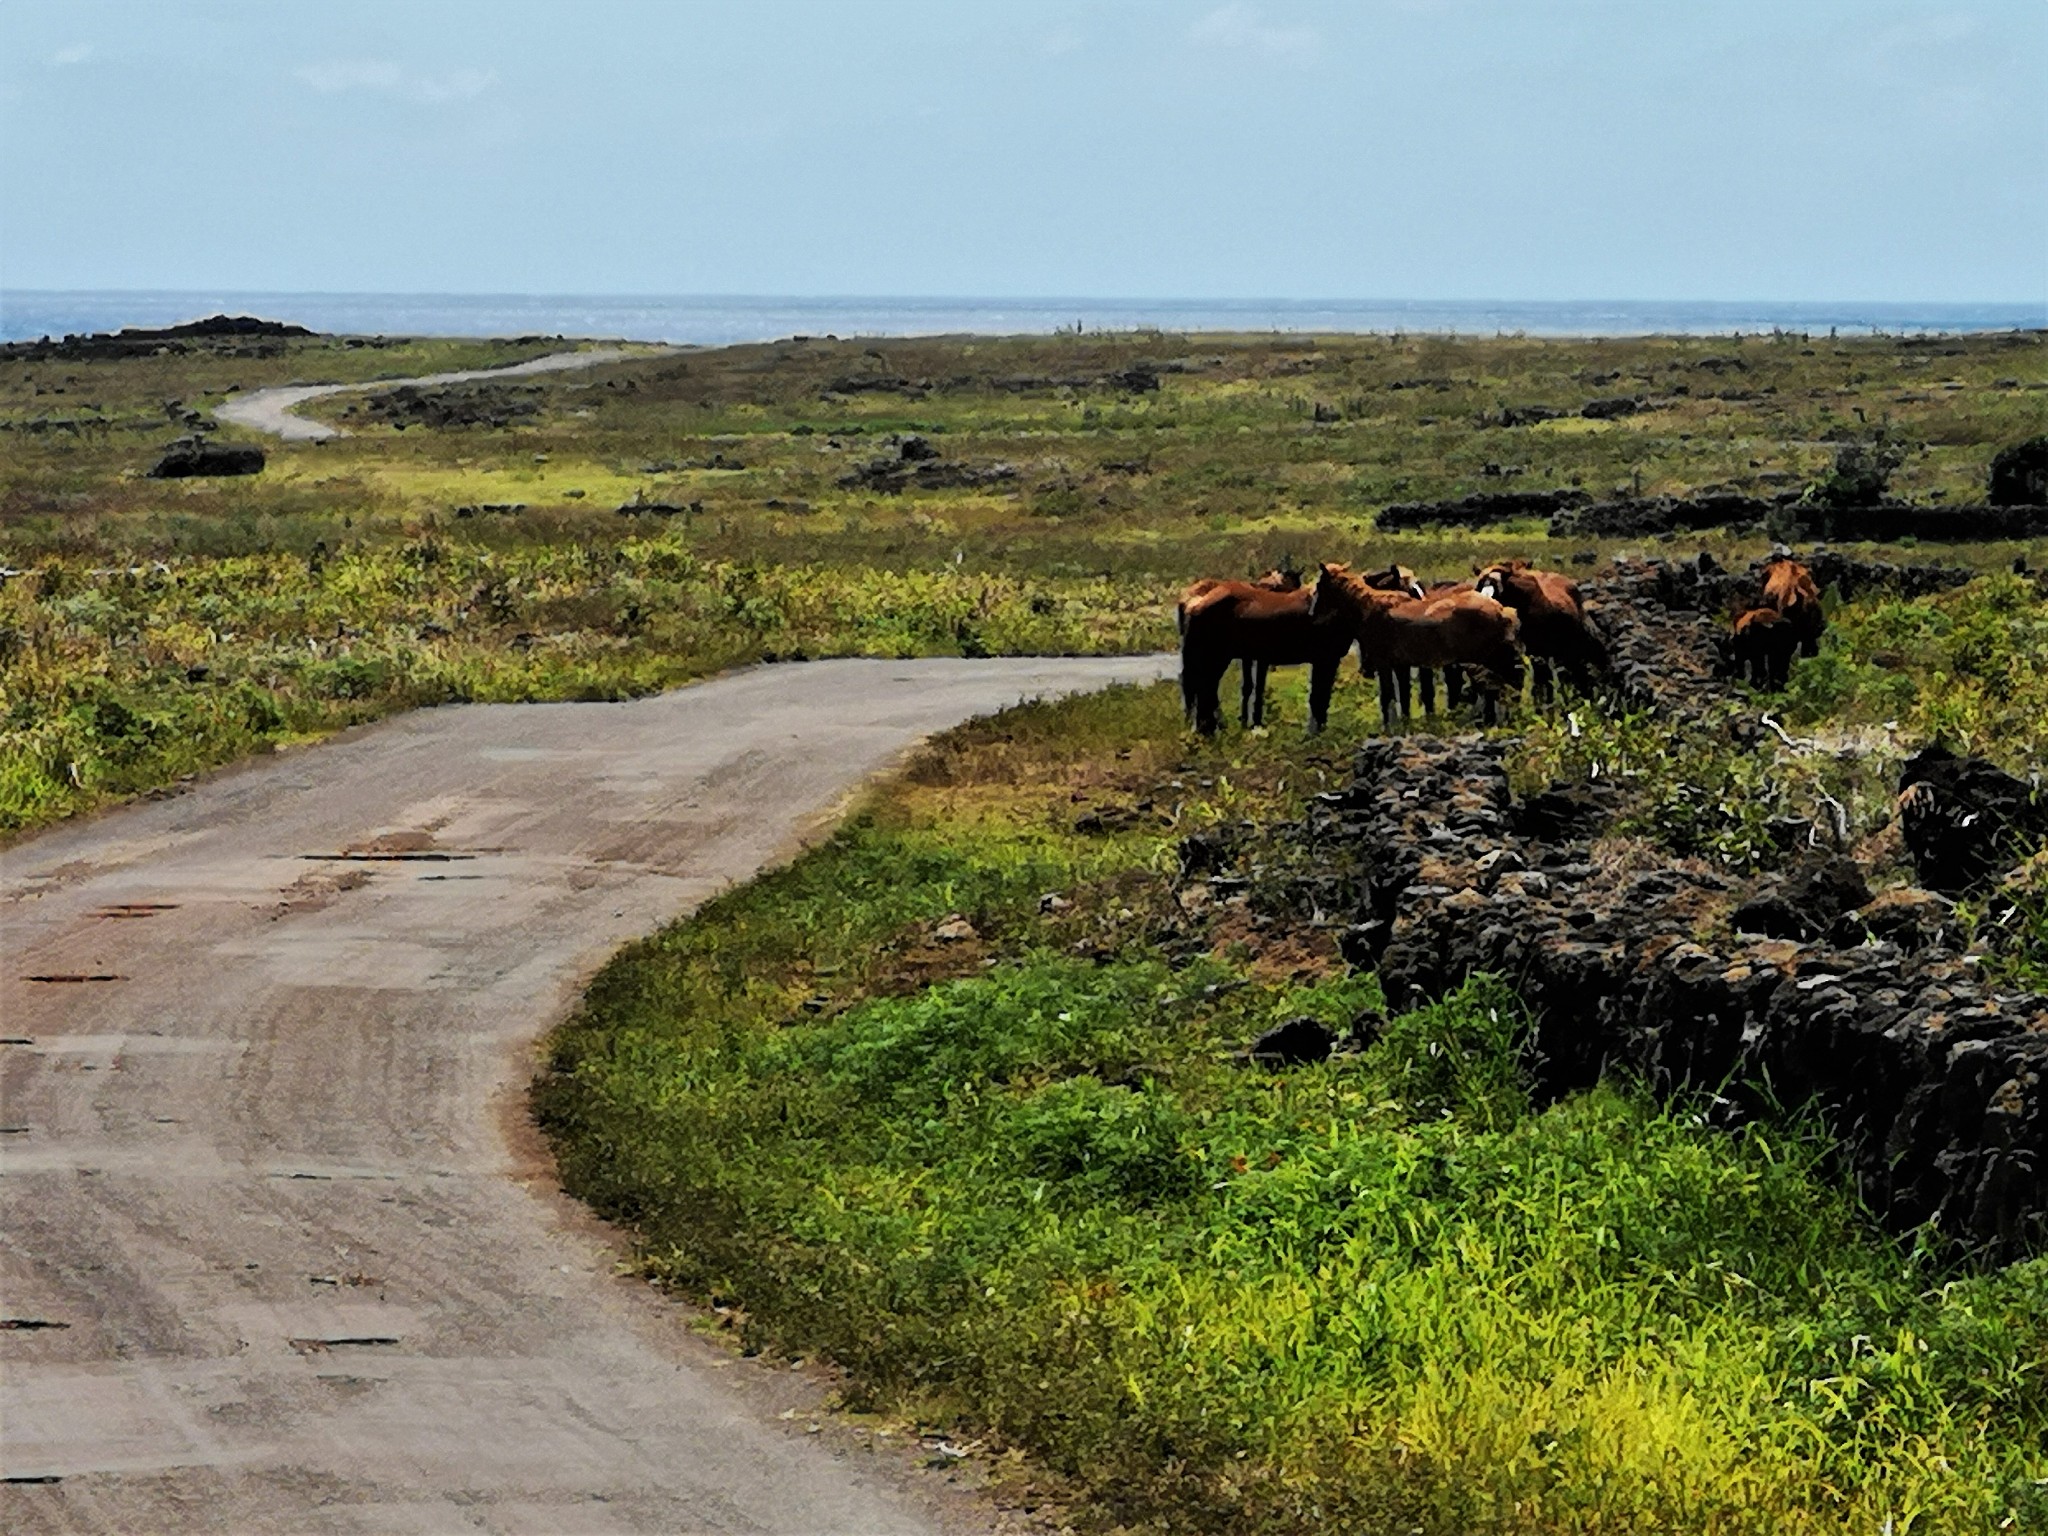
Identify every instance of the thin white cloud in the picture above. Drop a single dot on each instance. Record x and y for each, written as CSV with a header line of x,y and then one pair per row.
x,y
383,77
1240,28
1066,40
77,53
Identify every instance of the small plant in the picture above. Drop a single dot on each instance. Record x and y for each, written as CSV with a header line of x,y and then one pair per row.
x,y
1861,475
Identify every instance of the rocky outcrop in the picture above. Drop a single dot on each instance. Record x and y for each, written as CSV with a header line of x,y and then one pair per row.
x,y
1966,821
916,462
233,335
1574,514
1482,509
1935,1083
2019,475
193,456
1888,523
439,409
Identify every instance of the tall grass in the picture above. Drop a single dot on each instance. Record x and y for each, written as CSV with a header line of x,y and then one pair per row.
x,y
1047,1200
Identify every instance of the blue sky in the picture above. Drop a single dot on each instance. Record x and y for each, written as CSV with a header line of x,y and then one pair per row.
x,y
1515,149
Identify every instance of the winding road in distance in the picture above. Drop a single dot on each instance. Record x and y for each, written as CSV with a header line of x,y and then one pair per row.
x,y
270,410
278,1247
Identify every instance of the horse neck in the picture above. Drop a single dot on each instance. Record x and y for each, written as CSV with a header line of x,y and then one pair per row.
x,y
1368,606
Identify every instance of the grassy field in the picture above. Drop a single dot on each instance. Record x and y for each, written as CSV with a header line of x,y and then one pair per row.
x,y
1023,1186
161,627
1014,1174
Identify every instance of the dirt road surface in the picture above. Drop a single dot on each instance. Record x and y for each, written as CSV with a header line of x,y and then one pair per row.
x,y
270,410
278,1246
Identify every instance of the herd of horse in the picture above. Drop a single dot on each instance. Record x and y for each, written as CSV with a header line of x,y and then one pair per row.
x,y
1477,632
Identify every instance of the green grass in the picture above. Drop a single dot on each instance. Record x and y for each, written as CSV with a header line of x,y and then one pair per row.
x,y
340,583
1023,1188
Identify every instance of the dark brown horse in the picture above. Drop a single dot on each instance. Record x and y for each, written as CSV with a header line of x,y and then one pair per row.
x,y
1790,591
1240,622
1252,675
1556,631
1762,647
1395,629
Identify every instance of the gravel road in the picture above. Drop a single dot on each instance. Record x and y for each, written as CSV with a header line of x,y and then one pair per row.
x,y
278,1245
270,410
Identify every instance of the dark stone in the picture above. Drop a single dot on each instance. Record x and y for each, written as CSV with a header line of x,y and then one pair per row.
x,y
2019,475
192,456
1481,509
1366,1029
1297,1043
1563,812
1966,820
1909,919
1804,902
1607,410
1935,1089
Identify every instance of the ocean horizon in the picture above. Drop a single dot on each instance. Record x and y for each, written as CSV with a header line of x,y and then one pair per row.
x,y
717,320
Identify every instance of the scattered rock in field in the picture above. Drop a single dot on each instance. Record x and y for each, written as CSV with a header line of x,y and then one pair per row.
x,y
455,405
1607,410
2019,474
195,456
1522,415
1106,819
1297,1043
955,930
1366,1028
917,462
1052,902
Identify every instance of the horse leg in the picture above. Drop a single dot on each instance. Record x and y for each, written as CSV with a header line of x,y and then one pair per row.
x,y
1454,686
1322,682
1425,683
1204,676
1541,688
1405,679
1387,698
1259,694
1247,691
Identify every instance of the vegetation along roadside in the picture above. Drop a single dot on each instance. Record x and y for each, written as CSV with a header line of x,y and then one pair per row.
x,y
626,527
962,1100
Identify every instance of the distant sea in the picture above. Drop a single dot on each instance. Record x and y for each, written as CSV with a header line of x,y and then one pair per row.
x,y
28,314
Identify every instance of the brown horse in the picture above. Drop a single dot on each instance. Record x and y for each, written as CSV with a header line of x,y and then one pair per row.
x,y
1259,629
1762,647
1252,678
1790,591
1425,677
1555,629
1275,580
1395,629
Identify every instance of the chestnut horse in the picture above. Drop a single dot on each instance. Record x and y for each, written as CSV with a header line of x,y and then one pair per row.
x,y
1790,591
1259,629
1555,629
1396,629
1425,677
1252,675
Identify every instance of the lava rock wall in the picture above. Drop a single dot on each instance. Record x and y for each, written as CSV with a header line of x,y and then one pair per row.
x,y
1932,1081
